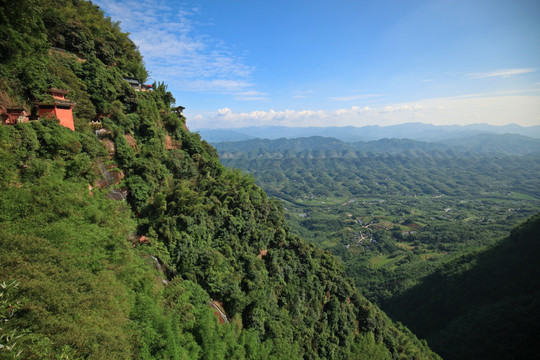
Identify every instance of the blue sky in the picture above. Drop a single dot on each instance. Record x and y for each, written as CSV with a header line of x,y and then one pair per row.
x,y
342,62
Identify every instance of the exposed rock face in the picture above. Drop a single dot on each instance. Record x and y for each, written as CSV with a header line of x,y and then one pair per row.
x,y
112,176
170,144
109,145
132,143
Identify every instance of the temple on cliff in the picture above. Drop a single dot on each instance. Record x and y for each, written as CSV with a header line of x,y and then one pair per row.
x,y
12,116
61,107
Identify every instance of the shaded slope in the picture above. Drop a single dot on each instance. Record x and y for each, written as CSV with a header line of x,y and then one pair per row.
x,y
481,306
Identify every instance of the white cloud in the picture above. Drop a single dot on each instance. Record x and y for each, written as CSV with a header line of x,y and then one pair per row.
x,y
251,95
302,94
224,112
354,97
504,73
495,110
251,98
174,50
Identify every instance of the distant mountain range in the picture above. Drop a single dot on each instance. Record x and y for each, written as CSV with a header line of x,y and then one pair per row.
x,y
320,147
414,131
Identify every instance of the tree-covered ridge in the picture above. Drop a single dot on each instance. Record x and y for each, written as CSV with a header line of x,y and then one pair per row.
x,y
321,147
315,147
407,173
83,291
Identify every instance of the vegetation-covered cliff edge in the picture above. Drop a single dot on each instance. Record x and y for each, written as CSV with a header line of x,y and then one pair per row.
x,y
78,272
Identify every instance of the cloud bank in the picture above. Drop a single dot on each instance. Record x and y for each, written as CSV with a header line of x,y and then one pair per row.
x,y
354,97
497,110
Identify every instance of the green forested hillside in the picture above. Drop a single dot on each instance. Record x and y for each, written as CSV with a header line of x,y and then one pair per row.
x,y
318,147
78,280
408,173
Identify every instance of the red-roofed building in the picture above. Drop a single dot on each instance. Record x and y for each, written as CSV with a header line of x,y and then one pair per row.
x,y
14,116
61,107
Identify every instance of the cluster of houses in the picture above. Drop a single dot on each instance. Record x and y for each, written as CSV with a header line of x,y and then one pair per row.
x,y
136,85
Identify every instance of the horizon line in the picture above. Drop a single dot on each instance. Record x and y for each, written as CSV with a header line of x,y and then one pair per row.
x,y
353,126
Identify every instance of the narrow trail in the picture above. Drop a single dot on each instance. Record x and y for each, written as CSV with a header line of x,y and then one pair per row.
x,y
223,317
